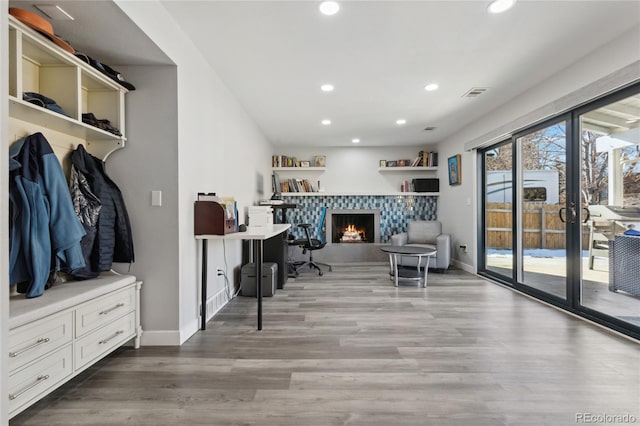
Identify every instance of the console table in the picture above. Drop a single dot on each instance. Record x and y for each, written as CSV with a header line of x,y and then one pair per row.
x,y
256,235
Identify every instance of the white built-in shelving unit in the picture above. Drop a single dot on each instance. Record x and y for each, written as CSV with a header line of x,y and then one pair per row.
x,y
56,336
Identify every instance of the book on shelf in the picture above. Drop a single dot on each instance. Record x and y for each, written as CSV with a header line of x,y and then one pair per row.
x,y
297,185
424,159
287,161
275,183
283,161
428,159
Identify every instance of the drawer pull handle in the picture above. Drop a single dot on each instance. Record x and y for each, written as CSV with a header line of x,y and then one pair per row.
x,y
37,343
119,332
41,378
106,311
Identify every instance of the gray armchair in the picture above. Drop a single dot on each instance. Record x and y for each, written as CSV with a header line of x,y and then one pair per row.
x,y
429,234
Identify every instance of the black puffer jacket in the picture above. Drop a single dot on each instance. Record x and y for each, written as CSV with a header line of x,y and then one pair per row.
x,y
113,241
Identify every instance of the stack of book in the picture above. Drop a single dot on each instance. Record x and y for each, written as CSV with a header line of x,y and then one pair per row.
x,y
284,161
296,185
427,159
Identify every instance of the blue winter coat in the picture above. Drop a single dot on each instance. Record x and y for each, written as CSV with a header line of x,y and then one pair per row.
x,y
45,231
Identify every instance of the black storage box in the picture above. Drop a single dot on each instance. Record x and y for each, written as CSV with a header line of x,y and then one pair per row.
x,y
426,185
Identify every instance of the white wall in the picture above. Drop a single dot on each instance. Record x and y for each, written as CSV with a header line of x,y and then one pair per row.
x,y
354,169
219,149
453,203
4,215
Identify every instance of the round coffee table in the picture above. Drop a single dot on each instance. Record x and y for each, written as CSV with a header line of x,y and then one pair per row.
x,y
408,273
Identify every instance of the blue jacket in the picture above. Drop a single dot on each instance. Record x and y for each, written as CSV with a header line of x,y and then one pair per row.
x,y
45,231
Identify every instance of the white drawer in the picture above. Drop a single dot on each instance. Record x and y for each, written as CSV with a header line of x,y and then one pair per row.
x,y
28,342
34,381
101,311
104,340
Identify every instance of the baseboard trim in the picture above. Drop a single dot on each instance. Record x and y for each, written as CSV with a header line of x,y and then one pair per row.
x,y
177,337
160,338
464,266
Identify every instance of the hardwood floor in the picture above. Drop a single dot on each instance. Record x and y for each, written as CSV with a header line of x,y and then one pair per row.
x,y
349,348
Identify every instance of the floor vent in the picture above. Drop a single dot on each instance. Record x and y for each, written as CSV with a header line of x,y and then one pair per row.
x,y
475,92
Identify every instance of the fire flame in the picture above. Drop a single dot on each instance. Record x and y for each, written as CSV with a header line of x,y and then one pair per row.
x,y
351,229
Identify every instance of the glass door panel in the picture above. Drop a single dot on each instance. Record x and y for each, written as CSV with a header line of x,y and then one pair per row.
x,y
498,209
610,187
542,238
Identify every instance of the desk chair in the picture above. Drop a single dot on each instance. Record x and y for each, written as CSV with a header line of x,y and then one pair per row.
x,y
310,244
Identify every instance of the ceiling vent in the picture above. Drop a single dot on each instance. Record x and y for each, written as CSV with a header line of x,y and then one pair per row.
x,y
429,128
475,92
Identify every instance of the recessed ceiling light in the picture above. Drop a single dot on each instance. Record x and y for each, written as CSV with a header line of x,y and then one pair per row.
x,y
356,140
401,121
499,6
431,87
326,122
329,7
327,87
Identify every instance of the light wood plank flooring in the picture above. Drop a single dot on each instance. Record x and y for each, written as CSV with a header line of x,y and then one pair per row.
x,y
349,348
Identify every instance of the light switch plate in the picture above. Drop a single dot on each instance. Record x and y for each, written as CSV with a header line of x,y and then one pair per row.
x,y
156,198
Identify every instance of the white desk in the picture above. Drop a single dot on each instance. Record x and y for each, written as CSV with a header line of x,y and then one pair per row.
x,y
257,235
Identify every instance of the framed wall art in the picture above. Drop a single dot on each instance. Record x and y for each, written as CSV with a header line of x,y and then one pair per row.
x,y
455,175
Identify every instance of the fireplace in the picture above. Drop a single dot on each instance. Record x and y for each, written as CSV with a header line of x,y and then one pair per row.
x,y
353,226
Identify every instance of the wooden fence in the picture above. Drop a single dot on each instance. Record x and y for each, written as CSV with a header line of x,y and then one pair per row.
x,y
541,222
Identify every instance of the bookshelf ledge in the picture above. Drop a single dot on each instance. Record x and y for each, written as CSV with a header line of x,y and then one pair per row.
x,y
407,169
298,169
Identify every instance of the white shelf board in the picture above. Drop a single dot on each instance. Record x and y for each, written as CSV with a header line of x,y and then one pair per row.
x,y
26,111
407,169
298,169
393,194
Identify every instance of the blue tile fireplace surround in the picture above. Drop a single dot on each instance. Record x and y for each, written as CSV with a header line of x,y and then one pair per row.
x,y
395,210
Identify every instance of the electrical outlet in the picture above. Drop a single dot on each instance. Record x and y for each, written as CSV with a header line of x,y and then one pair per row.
x,y
464,249
220,271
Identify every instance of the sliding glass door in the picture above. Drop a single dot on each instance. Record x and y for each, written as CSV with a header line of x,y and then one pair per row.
x,y
541,213
610,190
498,209
561,211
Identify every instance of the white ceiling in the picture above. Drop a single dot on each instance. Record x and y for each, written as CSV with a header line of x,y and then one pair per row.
x,y
274,55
